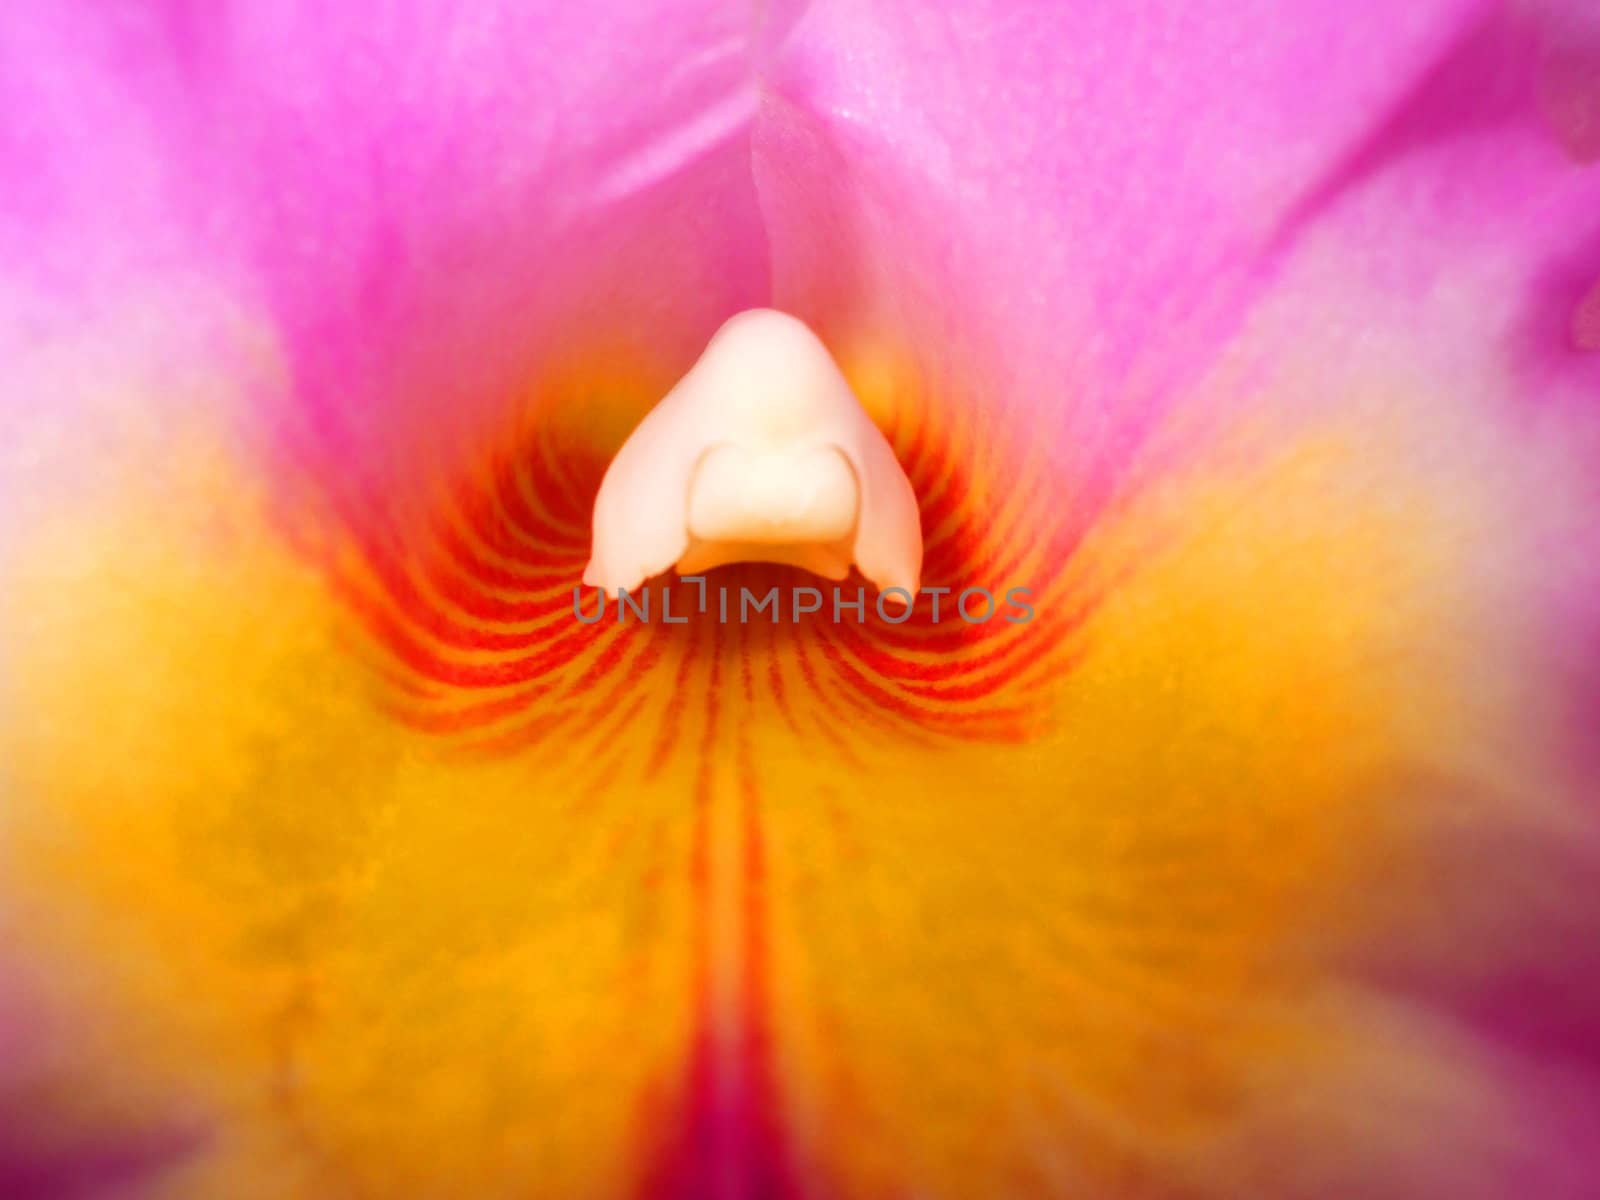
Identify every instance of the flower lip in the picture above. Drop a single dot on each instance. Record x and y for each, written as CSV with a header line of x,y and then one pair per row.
x,y
761,453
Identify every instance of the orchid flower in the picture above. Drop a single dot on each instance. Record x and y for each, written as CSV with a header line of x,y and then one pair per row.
x,y
1254,342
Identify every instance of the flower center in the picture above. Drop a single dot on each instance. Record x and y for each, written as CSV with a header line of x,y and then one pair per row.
x,y
761,453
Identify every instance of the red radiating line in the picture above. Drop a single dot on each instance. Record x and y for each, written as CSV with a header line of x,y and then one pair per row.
x,y
477,602
729,1141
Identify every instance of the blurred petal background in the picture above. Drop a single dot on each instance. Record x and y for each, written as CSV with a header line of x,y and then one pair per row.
x,y
337,859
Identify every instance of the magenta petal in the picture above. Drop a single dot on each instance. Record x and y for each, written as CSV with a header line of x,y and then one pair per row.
x,y
1112,173
422,205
